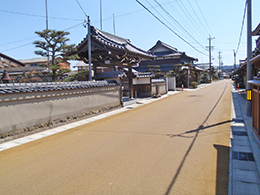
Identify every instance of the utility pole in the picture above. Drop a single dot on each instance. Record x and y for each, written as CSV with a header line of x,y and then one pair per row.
x,y
47,27
114,24
235,66
219,64
89,50
210,47
100,14
249,56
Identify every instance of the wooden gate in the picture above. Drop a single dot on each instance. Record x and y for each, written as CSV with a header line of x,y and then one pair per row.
x,y
256,109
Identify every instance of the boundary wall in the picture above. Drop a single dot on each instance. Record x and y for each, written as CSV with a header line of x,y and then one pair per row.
x,y
27,105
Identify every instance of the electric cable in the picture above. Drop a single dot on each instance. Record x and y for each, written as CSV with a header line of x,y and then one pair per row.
x,y
241,31
169,27
177,22
38,16
193,22
81,8
197,16
160,14
203,17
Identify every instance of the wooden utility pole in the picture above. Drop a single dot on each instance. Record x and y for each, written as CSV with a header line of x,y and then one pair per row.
x,y
89,50
210,47
235,59
249,56
219,64
114,24
47,27
100,14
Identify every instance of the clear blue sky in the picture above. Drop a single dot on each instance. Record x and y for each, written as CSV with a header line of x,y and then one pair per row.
x,y
221,19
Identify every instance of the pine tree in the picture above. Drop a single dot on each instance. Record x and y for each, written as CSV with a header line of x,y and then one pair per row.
x,y
55,45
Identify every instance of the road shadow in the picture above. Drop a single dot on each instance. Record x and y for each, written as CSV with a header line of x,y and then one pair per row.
x,y
222,169
200,128
197,130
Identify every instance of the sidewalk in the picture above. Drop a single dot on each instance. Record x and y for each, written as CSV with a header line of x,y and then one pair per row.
x,y
245,150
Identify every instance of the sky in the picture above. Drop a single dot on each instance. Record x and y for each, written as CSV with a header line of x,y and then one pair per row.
x,y
185,24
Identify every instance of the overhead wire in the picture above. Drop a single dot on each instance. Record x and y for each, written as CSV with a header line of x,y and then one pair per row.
x,y
13,48
168,27
192,21
161,15
203,17
197,16
177,23
81,8
38,16
242,26
41,16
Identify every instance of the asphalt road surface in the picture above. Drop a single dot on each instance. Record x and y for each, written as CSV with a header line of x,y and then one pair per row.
x,y
177,145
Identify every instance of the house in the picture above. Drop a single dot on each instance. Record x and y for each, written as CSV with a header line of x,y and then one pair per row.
x,y
142,83
255,84
36,62
116,76
256,54
81,65
12,66
240,74
166,57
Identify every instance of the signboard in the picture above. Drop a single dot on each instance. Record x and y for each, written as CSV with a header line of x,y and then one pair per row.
x,y
248,95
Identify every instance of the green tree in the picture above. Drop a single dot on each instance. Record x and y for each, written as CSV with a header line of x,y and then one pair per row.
x,y
155,69
55,45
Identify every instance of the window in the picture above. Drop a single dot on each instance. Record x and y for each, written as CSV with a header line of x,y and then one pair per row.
x,y
33,64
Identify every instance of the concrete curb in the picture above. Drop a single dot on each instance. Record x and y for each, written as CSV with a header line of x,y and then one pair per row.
x,y
244,151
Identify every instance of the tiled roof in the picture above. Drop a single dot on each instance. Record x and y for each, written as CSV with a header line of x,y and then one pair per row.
x,y
111,74
256,31
160,43
109,40
39,87
141,74
7,61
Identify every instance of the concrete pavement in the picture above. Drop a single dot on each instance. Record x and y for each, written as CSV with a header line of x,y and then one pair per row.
x,y
245,150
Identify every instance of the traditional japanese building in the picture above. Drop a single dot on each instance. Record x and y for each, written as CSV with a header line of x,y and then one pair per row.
x,y
111,51
39,62
240,74
166,57
12,66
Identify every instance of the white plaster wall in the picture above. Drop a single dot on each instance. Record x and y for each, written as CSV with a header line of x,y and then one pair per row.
x,y
139,81
18,111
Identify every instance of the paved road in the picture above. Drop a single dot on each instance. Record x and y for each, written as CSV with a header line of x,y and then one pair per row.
x,y
178,145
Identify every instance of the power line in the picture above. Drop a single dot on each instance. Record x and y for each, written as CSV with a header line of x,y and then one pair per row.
x,y
177,23
159,13
197,16
38,16
17,47
81,8
193,22
243,21
32,38
203,17
168,27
